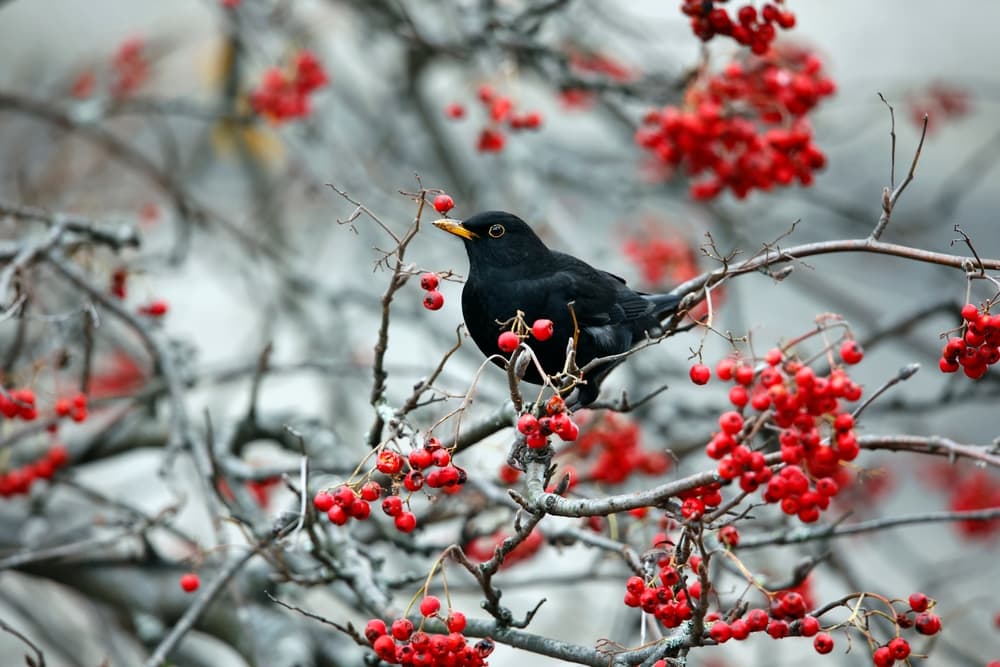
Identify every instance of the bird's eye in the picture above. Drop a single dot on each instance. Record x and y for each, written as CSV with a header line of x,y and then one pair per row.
x,y
496,231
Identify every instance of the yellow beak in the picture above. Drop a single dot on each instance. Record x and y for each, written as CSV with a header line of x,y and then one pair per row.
x,y
456,228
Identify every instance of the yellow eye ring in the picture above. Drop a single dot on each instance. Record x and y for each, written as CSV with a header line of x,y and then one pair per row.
x,y
496,231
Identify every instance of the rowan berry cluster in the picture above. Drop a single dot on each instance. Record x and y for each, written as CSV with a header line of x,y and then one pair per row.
x,y
745,128
977,348
483,548
74,407
343,504
541,330
399,643
18,404
589,63
284,95
747,26
615,441
815,431
536,430
502,115
940,101
433,299
131,67
18,481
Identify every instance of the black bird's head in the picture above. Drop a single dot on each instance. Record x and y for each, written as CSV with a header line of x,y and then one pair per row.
x,y
495,239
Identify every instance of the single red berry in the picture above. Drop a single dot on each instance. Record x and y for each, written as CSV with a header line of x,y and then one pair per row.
x,y
720,632
744,374
371,491
406,522
433,300
536,440
414,481
443,203
528,424
455,621
389,462
808,626
700,374
190,582
729,535
392,505
508,342
385,647
900,648
927,623
157,308
430,605
777,629
970,313
441,457
374,629
402,628
542,329
323,501
823,643
731,422
454,111
882,657
343,495
724,369
338,515
359,509
919,602
851,352
429,281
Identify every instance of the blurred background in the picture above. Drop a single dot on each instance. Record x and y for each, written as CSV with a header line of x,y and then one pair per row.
x,y
171,119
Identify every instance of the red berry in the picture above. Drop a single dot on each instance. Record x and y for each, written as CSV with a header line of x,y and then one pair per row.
x,y
777,629
454,111
429,281
731,422
385,647
402,628
392,505
851,352
729,535
430,605
508,342
389,462
882,657
156,308
970,313
700,374
528,424
536,440
374,629
720,632
323,501
443,203
337,515
406,522
927,623
823,643
900,648
433,300
542,329
359,509
919,602
455,621
808,626
441,457
371,491
190,582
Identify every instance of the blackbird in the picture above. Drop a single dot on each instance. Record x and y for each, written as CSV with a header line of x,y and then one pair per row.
x,y
510,269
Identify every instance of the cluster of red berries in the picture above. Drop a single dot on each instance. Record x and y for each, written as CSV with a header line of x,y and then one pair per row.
x,y
119,283
695,502
343,504
74,407
975,491
399,643
615,440
802,406
282,96
18,404
940,101
747,27
977,348
190,582
665,597
591,63
131,68
484,547
536,430
18,481
541,330
502,112
433,299
745,128
155,308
